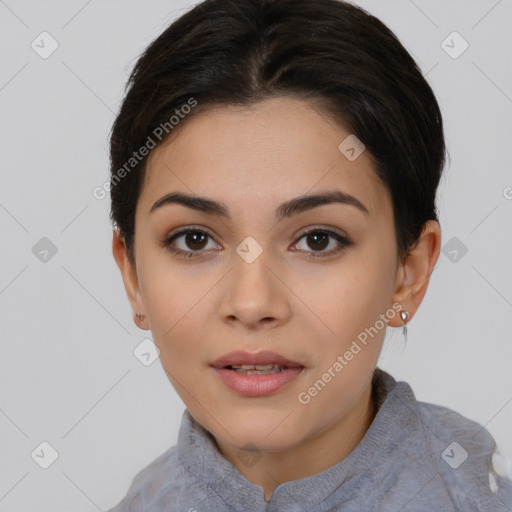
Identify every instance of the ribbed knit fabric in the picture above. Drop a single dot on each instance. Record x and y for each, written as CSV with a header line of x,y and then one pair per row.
x,y
415,457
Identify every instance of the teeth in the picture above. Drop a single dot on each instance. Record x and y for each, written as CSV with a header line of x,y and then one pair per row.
x,y
266,366
254,366
256,369
269,371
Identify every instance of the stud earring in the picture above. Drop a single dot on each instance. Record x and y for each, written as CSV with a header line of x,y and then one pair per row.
x,y
404,315
139,316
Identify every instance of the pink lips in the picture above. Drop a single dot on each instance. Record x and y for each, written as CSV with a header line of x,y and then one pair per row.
x,y
255,385
265,357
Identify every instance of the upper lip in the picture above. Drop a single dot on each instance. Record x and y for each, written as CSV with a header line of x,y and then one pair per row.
x,y
254,358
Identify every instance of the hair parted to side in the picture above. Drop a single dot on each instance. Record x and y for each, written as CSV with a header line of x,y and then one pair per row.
x,y
330,53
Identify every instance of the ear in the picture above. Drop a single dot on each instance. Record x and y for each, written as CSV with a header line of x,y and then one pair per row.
x,y
130,280
413,275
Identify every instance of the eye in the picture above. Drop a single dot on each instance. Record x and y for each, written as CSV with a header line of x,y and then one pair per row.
x,y
191,242
320,240
188,242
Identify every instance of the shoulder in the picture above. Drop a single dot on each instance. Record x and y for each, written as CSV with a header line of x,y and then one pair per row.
x,y
467,459
164,476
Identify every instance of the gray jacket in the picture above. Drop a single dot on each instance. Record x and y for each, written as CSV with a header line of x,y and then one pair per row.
x,y
415,457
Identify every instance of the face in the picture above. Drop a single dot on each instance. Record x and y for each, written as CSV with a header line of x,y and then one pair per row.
x,y
242,272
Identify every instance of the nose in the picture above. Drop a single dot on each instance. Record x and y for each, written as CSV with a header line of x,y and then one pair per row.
x,y
254,295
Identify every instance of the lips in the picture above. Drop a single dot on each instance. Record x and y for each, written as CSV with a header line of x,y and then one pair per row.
x,y
264,358
256,374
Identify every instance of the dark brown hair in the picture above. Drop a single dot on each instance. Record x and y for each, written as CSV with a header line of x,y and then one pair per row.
x,y
327,52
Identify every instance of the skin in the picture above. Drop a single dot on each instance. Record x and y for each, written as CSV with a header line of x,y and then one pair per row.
x,y
307,309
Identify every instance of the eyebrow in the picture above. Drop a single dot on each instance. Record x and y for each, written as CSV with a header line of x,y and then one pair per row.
x,y
285,210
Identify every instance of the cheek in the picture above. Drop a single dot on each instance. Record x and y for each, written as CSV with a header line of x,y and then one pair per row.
x,y
169,288
351,296
173,301
348,304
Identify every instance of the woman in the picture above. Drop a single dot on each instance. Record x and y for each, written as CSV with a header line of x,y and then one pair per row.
x,y
274,174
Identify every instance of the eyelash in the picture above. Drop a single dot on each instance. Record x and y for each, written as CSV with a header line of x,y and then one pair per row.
x,y
343,241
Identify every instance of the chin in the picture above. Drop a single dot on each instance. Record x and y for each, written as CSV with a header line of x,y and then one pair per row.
x,y
244,441
266,432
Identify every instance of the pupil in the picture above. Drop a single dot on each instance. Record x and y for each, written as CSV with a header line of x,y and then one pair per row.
x,y
313,239
193,239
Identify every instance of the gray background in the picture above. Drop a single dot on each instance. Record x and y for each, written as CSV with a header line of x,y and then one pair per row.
x,y
68,375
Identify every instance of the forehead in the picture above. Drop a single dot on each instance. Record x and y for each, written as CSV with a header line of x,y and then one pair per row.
x,y
258,155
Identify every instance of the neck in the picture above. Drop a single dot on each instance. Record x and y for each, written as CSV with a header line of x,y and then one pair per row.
x,y
311,456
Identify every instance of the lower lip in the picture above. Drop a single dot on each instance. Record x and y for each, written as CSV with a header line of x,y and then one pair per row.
x,y
257,385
